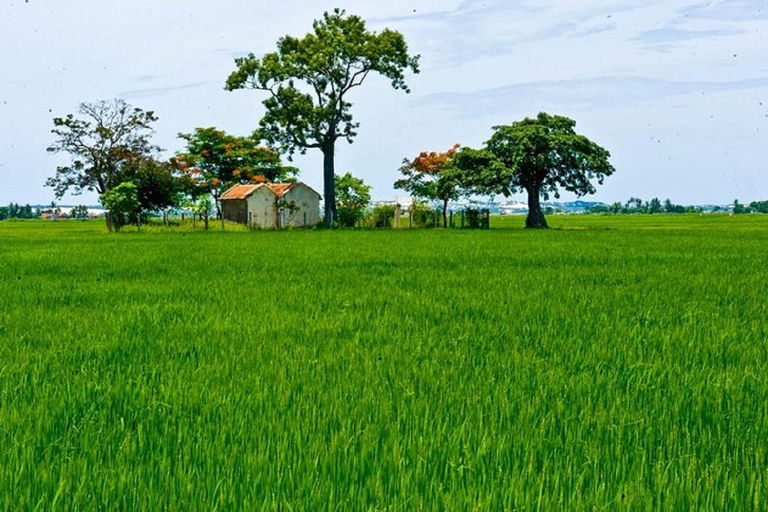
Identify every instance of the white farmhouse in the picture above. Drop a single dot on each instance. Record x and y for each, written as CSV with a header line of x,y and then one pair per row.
x,y
271,205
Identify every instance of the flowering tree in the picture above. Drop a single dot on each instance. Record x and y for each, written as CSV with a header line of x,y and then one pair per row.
x,y
432,176
215,161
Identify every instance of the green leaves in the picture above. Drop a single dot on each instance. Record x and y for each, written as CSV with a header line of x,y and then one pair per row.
x,y
215,161
353,196
101,142
540,156
122,202
308,79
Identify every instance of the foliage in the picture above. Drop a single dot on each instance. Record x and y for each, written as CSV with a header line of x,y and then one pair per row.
x,y
201,207
309,79
17,211
102,141
381,216
352,198
637,205
474,218
540,156
79,212
423,215
136,374
215,161
159,184
122,202
432,176
753,207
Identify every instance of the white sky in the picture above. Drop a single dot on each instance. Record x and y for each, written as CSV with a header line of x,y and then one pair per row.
x,y
676,90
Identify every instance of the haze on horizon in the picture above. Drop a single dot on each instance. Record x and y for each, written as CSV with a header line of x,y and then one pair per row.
x,y
677,90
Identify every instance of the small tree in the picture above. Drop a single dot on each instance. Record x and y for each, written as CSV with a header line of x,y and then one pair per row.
x,y
432,176
201,207
739,208
654,206
122,204
539,156
309,80
159,184
79,212
352,198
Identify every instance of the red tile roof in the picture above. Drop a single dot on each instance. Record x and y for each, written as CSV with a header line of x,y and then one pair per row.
x,y
238,192
280,188
243,191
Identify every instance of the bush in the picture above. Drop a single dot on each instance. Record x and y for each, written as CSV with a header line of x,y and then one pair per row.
x,y
423,216
349,216
381,216
475,218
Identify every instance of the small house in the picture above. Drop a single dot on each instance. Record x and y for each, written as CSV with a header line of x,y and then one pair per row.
x,y
271,205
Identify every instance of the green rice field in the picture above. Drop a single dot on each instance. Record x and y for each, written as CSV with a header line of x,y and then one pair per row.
x,y
611,363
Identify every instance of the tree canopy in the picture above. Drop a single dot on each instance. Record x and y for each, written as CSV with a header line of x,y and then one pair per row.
x,y
308,81
214,161
102,141
122,203
539,156
353,196
432,176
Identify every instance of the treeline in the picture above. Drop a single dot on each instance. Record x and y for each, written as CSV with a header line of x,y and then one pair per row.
x,y
655,205
17,211
753,207
637,205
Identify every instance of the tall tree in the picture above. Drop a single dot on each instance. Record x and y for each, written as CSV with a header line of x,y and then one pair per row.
x,y
102,141
432,176
309,79
215,161
539,156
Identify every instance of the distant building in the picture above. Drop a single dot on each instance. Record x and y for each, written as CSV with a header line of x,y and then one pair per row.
x,y
271,205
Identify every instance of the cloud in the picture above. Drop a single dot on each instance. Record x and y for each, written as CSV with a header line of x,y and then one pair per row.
x,y
672,35
584,93
159,91
476,30
728,10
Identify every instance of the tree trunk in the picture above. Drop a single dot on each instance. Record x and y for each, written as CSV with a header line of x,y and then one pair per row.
x,y
445,213
216,203
535,217
329,184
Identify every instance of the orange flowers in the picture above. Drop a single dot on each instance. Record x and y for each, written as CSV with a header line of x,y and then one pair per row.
x,y
433,162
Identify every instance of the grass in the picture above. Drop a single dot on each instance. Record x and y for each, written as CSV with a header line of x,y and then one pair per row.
x,y
611,363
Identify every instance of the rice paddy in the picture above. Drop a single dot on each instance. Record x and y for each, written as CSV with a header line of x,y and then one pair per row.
x,y
610,363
